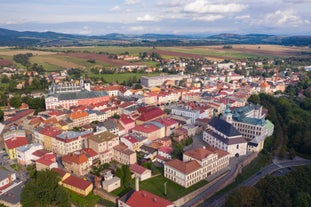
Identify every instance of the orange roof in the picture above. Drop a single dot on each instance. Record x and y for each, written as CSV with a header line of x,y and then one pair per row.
x,y
184,167
75,158
77,115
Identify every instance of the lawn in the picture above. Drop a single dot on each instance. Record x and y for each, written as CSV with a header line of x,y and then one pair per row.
x,y
155,185
81,201
16,167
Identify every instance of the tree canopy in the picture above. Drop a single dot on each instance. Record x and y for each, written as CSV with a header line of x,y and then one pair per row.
x,y
43,190
292,189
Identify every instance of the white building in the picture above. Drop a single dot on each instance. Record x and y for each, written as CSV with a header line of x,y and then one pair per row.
x,y
190,113
24,154
197,164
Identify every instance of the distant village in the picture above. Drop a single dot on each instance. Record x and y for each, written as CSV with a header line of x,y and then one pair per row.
x,y
87,124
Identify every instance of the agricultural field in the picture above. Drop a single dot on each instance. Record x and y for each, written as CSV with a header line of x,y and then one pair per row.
x,y
58,58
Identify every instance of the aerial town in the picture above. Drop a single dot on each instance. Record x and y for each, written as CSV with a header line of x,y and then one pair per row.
x,y
184,128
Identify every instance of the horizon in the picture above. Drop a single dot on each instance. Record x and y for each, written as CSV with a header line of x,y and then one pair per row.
x,y
178,17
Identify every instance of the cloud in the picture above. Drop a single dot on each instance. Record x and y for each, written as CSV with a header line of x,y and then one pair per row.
x,y
209,18
298,1
283,18
115,8
128,2
242,17
147,18
203,6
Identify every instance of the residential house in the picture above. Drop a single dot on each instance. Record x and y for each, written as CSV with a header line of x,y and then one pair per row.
x,y
140,172
103,144
46,161
13,143
77,163
133,141
24,154
149,113
70,141
150,131
78,185
190,113
110,182
122,154
6,179
127,122
142,198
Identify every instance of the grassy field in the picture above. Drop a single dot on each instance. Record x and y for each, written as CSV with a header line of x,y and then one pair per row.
x,y
155,185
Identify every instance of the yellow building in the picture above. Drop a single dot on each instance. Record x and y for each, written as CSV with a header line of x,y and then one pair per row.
x,y
11,145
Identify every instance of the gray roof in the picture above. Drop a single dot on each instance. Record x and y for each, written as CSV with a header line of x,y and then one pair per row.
x,y
4,174
227,141
224,127
80,95
110,124
13,196
72,134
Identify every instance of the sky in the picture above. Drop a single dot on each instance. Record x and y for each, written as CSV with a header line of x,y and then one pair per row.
x,y
99,17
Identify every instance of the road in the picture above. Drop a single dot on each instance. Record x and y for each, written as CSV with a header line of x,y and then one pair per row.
x,y
220,200
215,187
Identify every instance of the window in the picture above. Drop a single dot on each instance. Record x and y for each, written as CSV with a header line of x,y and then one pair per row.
x,y
237,146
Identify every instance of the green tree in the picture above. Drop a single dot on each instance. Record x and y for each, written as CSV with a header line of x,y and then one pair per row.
x,y
16,101
1,115
43,190
245,197
254,99
126,174
119,174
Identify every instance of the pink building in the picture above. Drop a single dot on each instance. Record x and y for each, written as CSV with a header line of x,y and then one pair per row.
x,y
127,122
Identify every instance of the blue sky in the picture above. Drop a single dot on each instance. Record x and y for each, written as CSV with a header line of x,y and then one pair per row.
x,y
95,17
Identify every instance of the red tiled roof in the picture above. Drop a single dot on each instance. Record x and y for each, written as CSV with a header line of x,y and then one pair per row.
x,y
150,114
90,152
166,121
50,131
146,128
75,158
135,168
60,172
167,150
19,115
40,152
16,142
126,119
145,199
184,167
130,139
77,182
199,153
47,159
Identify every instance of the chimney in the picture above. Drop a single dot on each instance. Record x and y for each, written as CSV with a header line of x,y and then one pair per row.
x,y
136,183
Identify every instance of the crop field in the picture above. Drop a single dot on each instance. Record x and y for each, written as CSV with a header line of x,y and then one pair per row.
x,y
103,49
11,52
53,63
56,58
